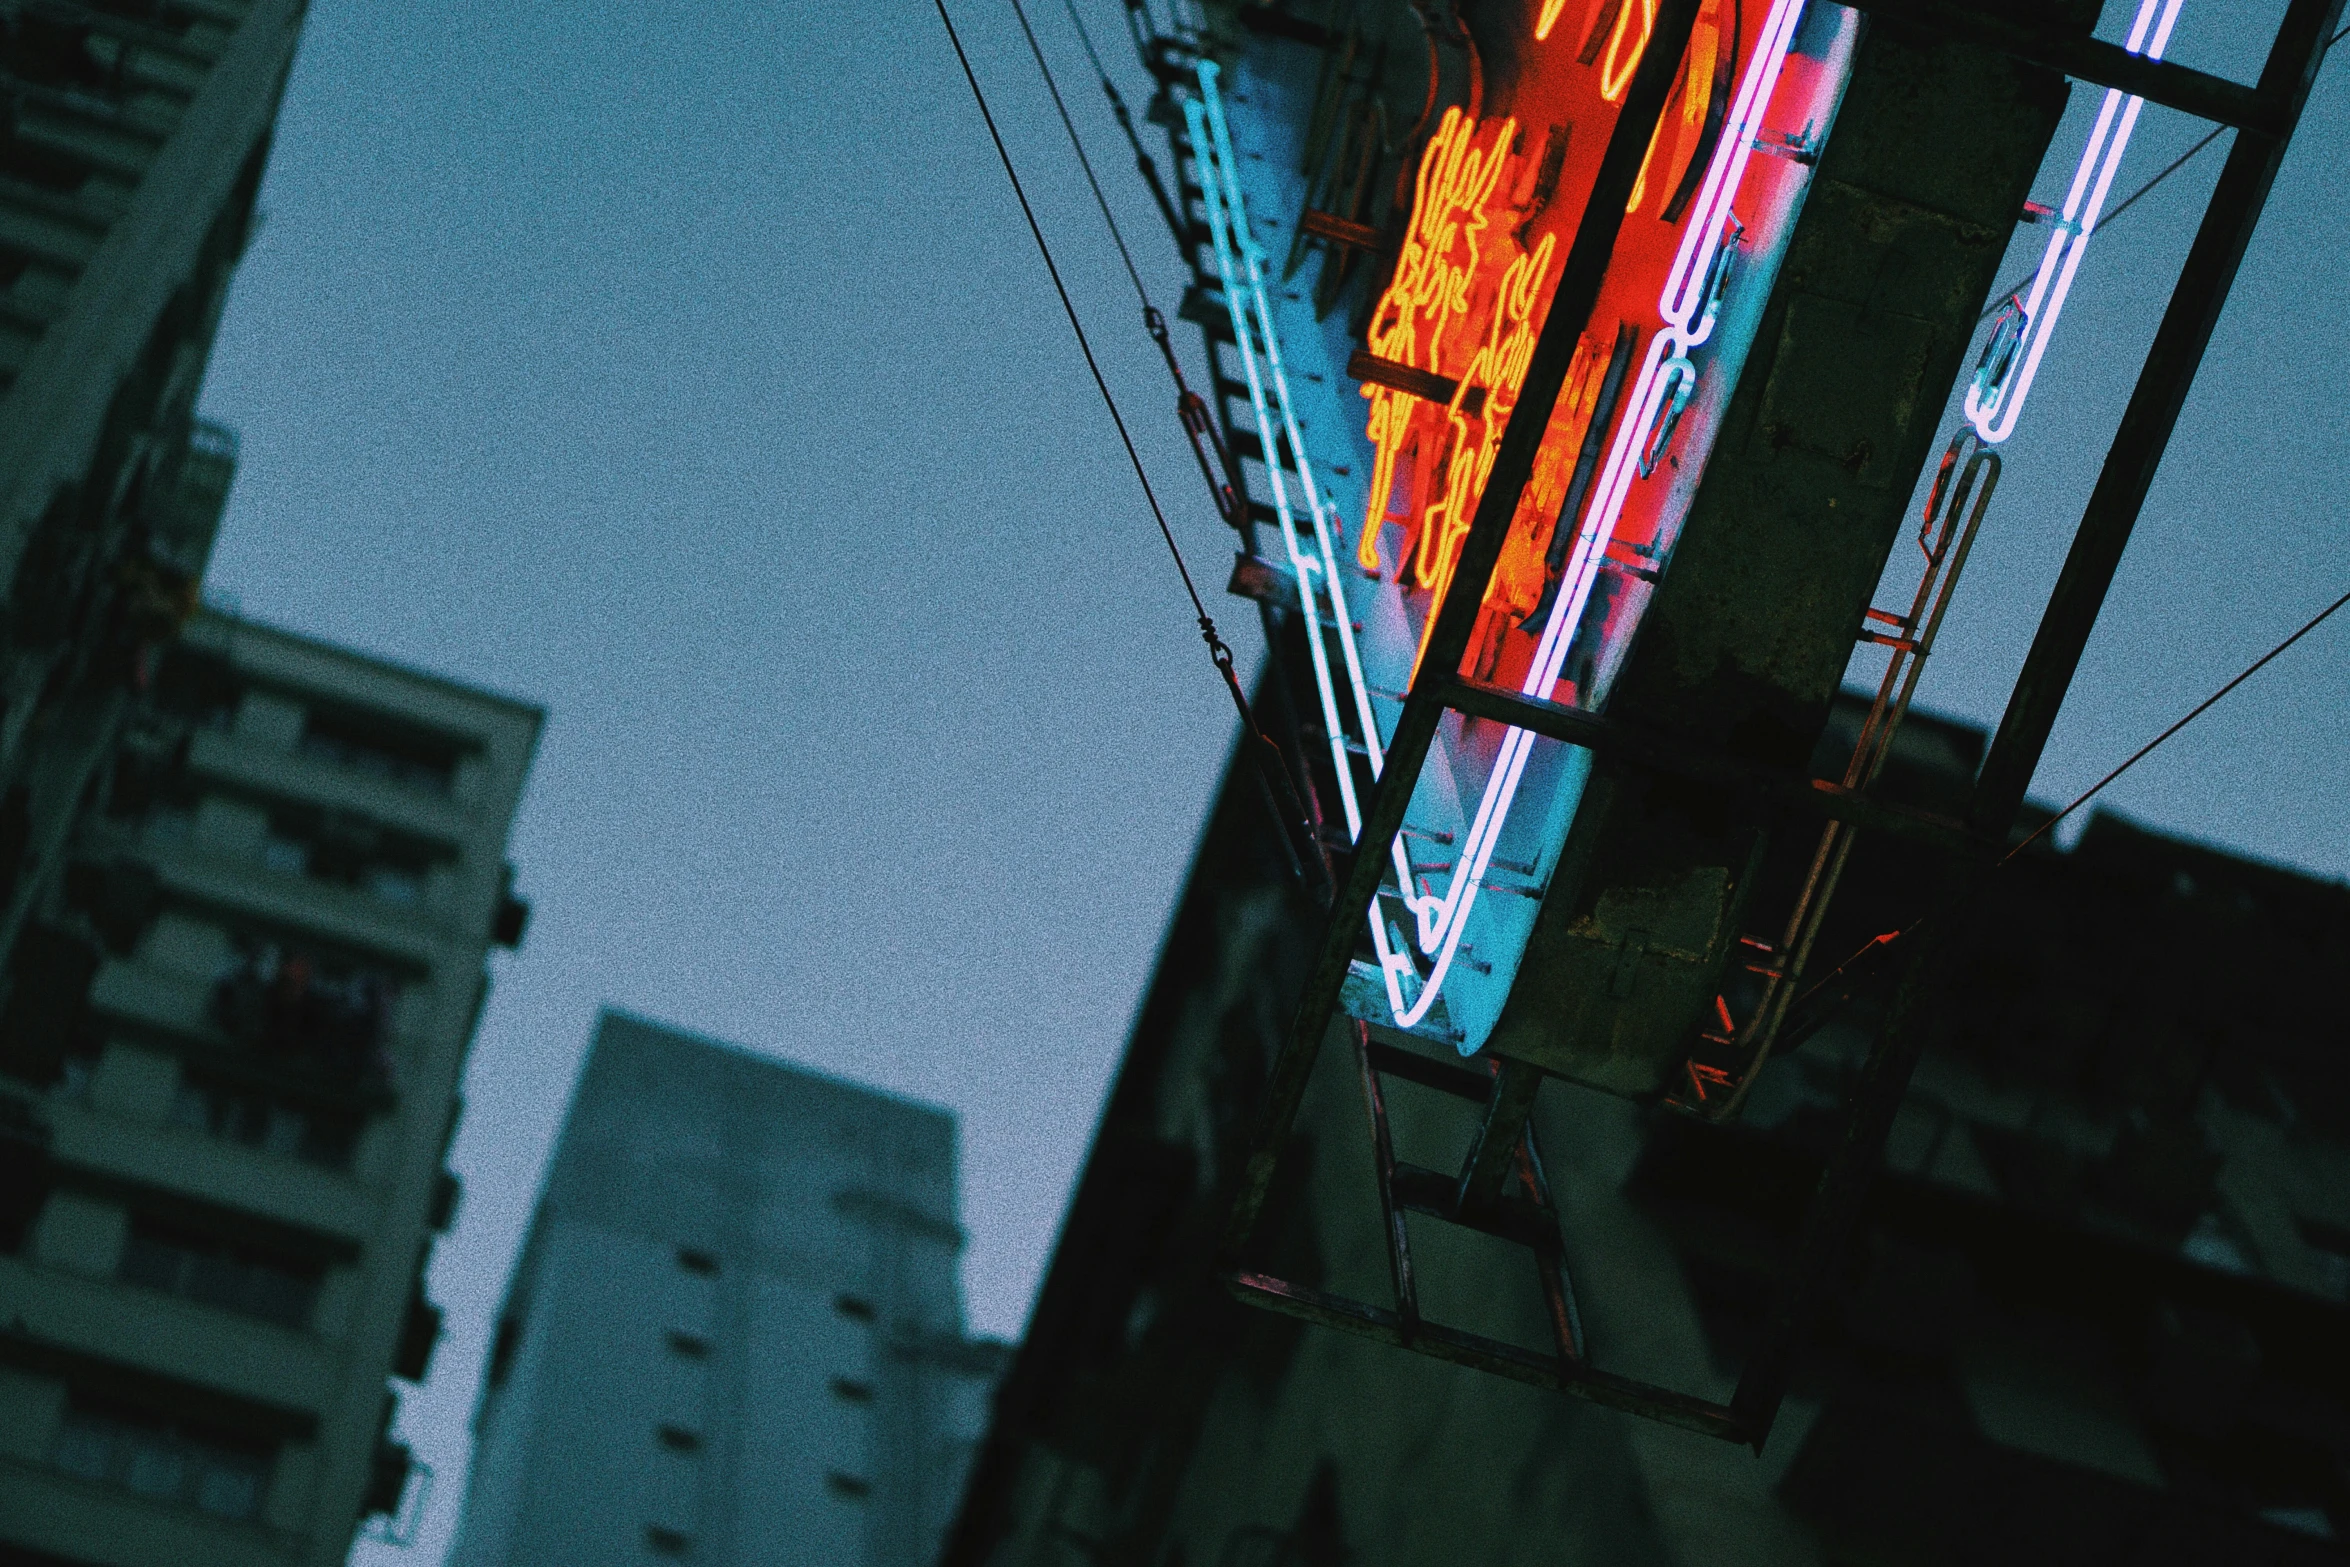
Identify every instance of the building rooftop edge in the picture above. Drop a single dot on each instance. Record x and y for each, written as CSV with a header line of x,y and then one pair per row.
x,y
237,620
765,1059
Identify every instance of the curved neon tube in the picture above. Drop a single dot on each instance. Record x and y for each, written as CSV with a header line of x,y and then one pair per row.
x,y
1688,324
1240,263
1993,412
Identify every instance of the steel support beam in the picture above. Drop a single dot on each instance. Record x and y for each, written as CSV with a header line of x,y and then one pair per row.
x,y
1814,796
1407,751
2092,60
1579,1378
1493,1156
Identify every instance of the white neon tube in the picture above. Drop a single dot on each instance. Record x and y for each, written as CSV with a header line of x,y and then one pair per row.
x,y
1240,263
1993,412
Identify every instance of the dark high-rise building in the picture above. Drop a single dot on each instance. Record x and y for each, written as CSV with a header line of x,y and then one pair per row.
x,y
132,140
228,1076
2095,1309
247,880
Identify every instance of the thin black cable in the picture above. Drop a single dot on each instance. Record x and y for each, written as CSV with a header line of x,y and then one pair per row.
x,y
1272,772
2201,708
1085,37
2131,200
1208,447
1143,164
1216,647
1077,143
1875,943
2106,222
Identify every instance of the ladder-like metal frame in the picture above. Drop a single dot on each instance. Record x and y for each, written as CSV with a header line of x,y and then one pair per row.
x,y
2264,117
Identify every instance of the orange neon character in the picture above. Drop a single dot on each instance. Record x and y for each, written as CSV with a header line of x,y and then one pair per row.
x,y
1430,291
1499,367
1697,90
1615,72
1549,18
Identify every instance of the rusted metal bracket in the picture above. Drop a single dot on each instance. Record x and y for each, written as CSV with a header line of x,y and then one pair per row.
x,y
1426,385
1580,1379
1343,231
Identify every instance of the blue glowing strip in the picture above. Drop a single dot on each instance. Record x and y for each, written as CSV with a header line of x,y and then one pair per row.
x,y
1994,409
1240,264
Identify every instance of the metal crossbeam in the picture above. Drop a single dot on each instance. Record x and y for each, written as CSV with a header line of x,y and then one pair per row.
x,y
1581,1379
1796,791
2092,60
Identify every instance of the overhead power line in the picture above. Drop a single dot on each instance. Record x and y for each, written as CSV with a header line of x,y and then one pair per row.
x,y
1819,1017
1272,772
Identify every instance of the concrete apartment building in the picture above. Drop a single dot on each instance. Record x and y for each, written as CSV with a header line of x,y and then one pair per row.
x,y
132,141
735,1334
229,1061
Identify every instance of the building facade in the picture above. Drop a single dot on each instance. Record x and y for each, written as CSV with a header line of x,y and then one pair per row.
x,y
132,143
229,1060
2094,1311
735,1333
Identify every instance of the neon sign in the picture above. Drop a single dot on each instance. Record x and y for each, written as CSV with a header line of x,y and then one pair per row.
x,y
1429,293
1465,305
1688,308
1329,618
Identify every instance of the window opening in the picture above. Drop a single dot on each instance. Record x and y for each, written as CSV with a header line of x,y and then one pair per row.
x,y
250,1119
214,1272
162,1460
412,758
296,1003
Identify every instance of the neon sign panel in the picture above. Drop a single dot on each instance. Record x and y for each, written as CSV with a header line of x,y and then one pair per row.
x,y
1426,305
1688,308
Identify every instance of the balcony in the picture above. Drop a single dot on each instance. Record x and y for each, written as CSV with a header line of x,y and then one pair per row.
x,y
313,779
243,1028
175,1159
80,1520
168,1336
340,916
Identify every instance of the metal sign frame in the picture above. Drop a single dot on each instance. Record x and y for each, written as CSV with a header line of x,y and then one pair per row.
x,y
2264,117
